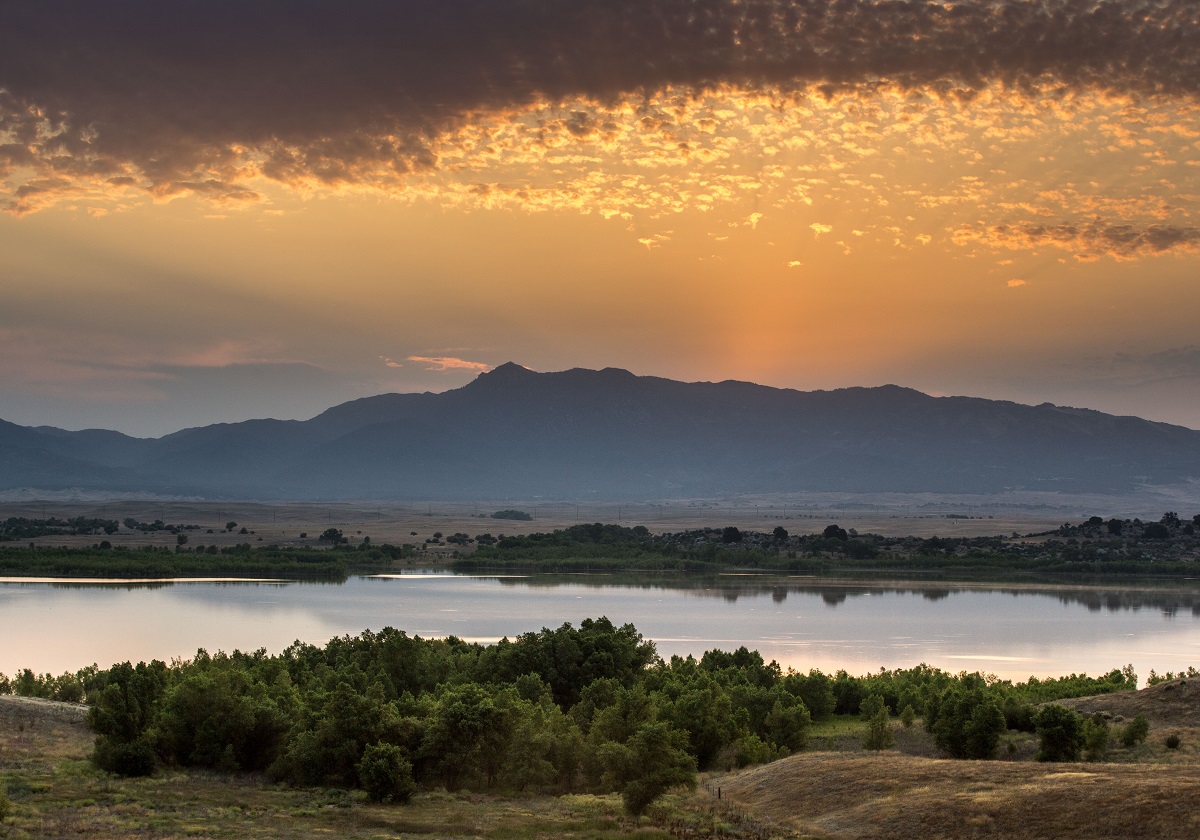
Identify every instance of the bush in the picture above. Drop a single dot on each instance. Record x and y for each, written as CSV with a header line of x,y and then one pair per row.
x,y
132,758
908,716
1060,733
1135,731
385,774
1172,742
965,721
1095,739
879,734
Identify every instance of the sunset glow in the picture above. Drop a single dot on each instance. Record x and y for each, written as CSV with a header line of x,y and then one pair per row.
x,y
216,211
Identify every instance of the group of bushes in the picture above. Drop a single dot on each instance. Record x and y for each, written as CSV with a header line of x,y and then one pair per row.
x,y
589,708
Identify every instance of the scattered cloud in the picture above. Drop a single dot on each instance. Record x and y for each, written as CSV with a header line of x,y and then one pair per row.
x,y
817,228
1014,284
614,108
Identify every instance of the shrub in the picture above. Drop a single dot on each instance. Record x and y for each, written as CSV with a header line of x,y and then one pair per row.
x,y
1172,742
132,758
1135,731
1095,739
908,716
385,774
1060,733
965,721
879,728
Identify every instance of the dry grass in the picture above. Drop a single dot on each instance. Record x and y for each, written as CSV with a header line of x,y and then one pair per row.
x,y
889,795
1146,791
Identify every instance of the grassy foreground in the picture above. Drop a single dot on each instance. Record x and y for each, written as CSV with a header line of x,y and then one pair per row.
x,y
833,790
55,792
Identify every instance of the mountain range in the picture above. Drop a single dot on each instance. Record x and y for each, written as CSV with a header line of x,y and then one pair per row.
x,y
608,434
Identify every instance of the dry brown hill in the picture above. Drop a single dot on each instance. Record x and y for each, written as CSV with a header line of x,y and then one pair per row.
x,y
1144,792
1167,704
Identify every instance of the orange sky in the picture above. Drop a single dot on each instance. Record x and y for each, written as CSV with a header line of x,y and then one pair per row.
x,y
234,219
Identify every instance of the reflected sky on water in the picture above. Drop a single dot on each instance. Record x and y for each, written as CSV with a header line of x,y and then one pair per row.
x,y
803,623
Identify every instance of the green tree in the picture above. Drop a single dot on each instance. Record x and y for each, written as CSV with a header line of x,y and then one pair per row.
x,y
385,773
1060,733
123,710
908,716
646,766
965,720
1095,739
1135,732
878,735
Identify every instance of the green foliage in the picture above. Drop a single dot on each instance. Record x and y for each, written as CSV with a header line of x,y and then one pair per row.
x,y
908,716
815,690
1095,738
386,774
221,718
1134,732
878,735
1155,678
652,761
965,720
125,758
151,562
751,749
1061,733
518,515
588,708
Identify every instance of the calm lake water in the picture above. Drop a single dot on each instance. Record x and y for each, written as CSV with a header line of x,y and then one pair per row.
x,y
800,622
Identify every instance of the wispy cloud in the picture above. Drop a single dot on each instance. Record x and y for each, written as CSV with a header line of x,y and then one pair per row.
x,y
442,364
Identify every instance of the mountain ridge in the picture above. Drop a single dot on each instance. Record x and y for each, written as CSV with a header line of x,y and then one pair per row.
x,y
513,432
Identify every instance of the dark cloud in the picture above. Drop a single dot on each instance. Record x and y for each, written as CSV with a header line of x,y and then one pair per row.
x,y
1092,239
166,89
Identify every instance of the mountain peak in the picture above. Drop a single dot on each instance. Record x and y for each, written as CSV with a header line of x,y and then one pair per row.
x,y
506,370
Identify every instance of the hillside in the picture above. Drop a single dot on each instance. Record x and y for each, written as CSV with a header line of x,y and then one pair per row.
x,y
608,434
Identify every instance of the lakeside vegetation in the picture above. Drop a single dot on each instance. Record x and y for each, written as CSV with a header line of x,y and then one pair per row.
x,y
591,709
1169,547
1096,548
241,560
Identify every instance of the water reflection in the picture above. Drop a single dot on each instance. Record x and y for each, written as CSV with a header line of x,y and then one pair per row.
x,y
802,622
1167,597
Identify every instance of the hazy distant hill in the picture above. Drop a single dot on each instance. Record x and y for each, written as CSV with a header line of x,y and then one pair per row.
x,y
513,433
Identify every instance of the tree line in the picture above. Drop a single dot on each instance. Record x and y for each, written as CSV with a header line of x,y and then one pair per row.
x,y
587,708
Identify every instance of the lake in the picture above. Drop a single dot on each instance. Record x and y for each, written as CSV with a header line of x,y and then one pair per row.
x,y
803,623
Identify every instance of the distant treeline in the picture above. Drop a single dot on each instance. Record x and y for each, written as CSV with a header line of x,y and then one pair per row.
x,y
241,560
591,708
1096,547
21,528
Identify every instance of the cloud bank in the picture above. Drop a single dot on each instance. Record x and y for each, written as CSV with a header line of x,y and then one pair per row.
x,y
118,101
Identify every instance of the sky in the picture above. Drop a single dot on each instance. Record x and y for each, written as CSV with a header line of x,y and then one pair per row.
x,y
214,210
